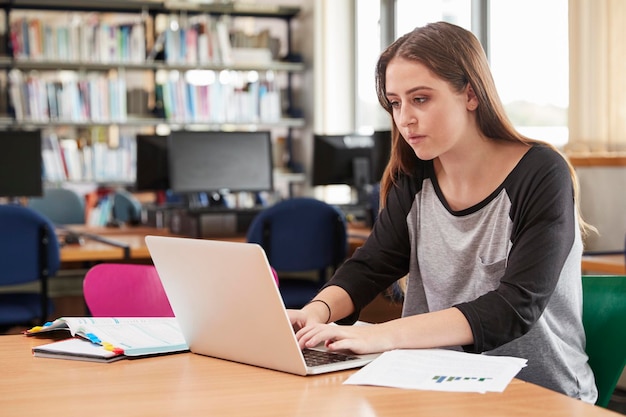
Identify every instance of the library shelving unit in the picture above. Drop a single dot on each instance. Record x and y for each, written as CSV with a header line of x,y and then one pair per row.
x,y
93,74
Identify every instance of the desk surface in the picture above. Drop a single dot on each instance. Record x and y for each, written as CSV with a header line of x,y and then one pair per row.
x,y
607,264
192,385
92,250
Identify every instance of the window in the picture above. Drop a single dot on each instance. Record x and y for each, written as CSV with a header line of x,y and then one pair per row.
x,y
368,113
529,57
413,13
527,49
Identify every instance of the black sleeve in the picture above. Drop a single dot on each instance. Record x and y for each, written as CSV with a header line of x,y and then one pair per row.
x,y
384,257
544,217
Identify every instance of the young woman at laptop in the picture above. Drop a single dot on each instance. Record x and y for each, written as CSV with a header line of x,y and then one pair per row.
x,y
481,220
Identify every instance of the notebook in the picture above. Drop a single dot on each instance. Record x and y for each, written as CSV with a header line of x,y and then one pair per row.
x,y
228,306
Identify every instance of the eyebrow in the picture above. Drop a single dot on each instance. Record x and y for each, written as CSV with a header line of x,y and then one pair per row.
x,y
411,90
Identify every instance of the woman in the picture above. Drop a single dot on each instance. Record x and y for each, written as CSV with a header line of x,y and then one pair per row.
x,y
481,219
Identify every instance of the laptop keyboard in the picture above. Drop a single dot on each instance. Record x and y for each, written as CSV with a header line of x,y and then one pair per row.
x,y
314,357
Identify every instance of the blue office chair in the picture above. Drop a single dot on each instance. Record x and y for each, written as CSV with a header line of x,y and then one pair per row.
x,y
61,205
298,235
374,202
126,207
29,252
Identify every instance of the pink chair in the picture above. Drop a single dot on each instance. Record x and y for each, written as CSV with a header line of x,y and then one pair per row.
x,y
125,290
275,275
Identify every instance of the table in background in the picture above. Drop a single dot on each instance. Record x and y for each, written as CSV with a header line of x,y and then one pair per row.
x,y
192,385
607,264
94,251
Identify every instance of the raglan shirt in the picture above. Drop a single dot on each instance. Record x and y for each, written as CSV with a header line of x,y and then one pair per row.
x,y
510,264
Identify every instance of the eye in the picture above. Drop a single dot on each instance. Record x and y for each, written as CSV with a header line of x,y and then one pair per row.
x,y
394,104
419,100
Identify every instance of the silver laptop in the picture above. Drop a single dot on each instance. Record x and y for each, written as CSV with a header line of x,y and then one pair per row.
x,y
229,307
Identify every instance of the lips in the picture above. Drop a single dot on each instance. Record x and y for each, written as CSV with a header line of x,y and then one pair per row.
x,y
415,138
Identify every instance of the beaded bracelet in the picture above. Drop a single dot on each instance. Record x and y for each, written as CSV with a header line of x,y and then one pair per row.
x,y
327,306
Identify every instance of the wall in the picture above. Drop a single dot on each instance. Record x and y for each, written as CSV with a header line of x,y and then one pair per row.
x,y
334,72
603,202
323,34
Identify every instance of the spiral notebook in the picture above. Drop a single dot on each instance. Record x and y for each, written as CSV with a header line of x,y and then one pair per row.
x,y
105,338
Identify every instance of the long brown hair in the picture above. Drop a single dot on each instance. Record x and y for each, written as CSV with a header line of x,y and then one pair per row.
x,y
456,56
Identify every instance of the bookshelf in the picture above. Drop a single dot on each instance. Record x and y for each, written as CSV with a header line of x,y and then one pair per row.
x,y
97,73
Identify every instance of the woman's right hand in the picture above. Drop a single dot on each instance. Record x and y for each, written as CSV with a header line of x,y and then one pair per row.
x,y
330,304
298,318
307,315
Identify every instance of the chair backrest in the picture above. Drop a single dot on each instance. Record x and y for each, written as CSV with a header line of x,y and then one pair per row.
x,y
60,205
374,201
301,234
20,240
125,290
29,252
604,319
126,207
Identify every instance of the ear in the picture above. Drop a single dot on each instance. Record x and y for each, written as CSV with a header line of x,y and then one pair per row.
x,y
472,100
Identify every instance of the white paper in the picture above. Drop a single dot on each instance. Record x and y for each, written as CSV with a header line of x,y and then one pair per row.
x,y
439,370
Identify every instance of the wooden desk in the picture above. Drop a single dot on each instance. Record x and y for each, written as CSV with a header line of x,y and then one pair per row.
x,y
93,251
192,385
607,264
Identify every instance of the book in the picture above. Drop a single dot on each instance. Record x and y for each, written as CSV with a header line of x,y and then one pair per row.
x,y
54,168
76,349
139,336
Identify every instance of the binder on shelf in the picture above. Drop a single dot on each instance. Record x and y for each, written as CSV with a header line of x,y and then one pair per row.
x,y
223,38
54,166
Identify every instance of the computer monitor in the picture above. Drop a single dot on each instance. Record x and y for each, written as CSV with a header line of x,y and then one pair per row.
x,y
380,153
152,164
355,160
20,163
220,161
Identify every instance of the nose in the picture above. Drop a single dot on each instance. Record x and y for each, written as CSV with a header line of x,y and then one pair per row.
x,y
405,116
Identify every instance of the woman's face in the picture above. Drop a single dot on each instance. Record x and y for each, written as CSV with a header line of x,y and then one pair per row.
x,y
431,117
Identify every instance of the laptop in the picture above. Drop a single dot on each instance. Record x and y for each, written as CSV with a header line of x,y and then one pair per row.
x,y
228,305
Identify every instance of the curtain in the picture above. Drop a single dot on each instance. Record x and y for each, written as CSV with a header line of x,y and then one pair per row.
x,y
597,48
